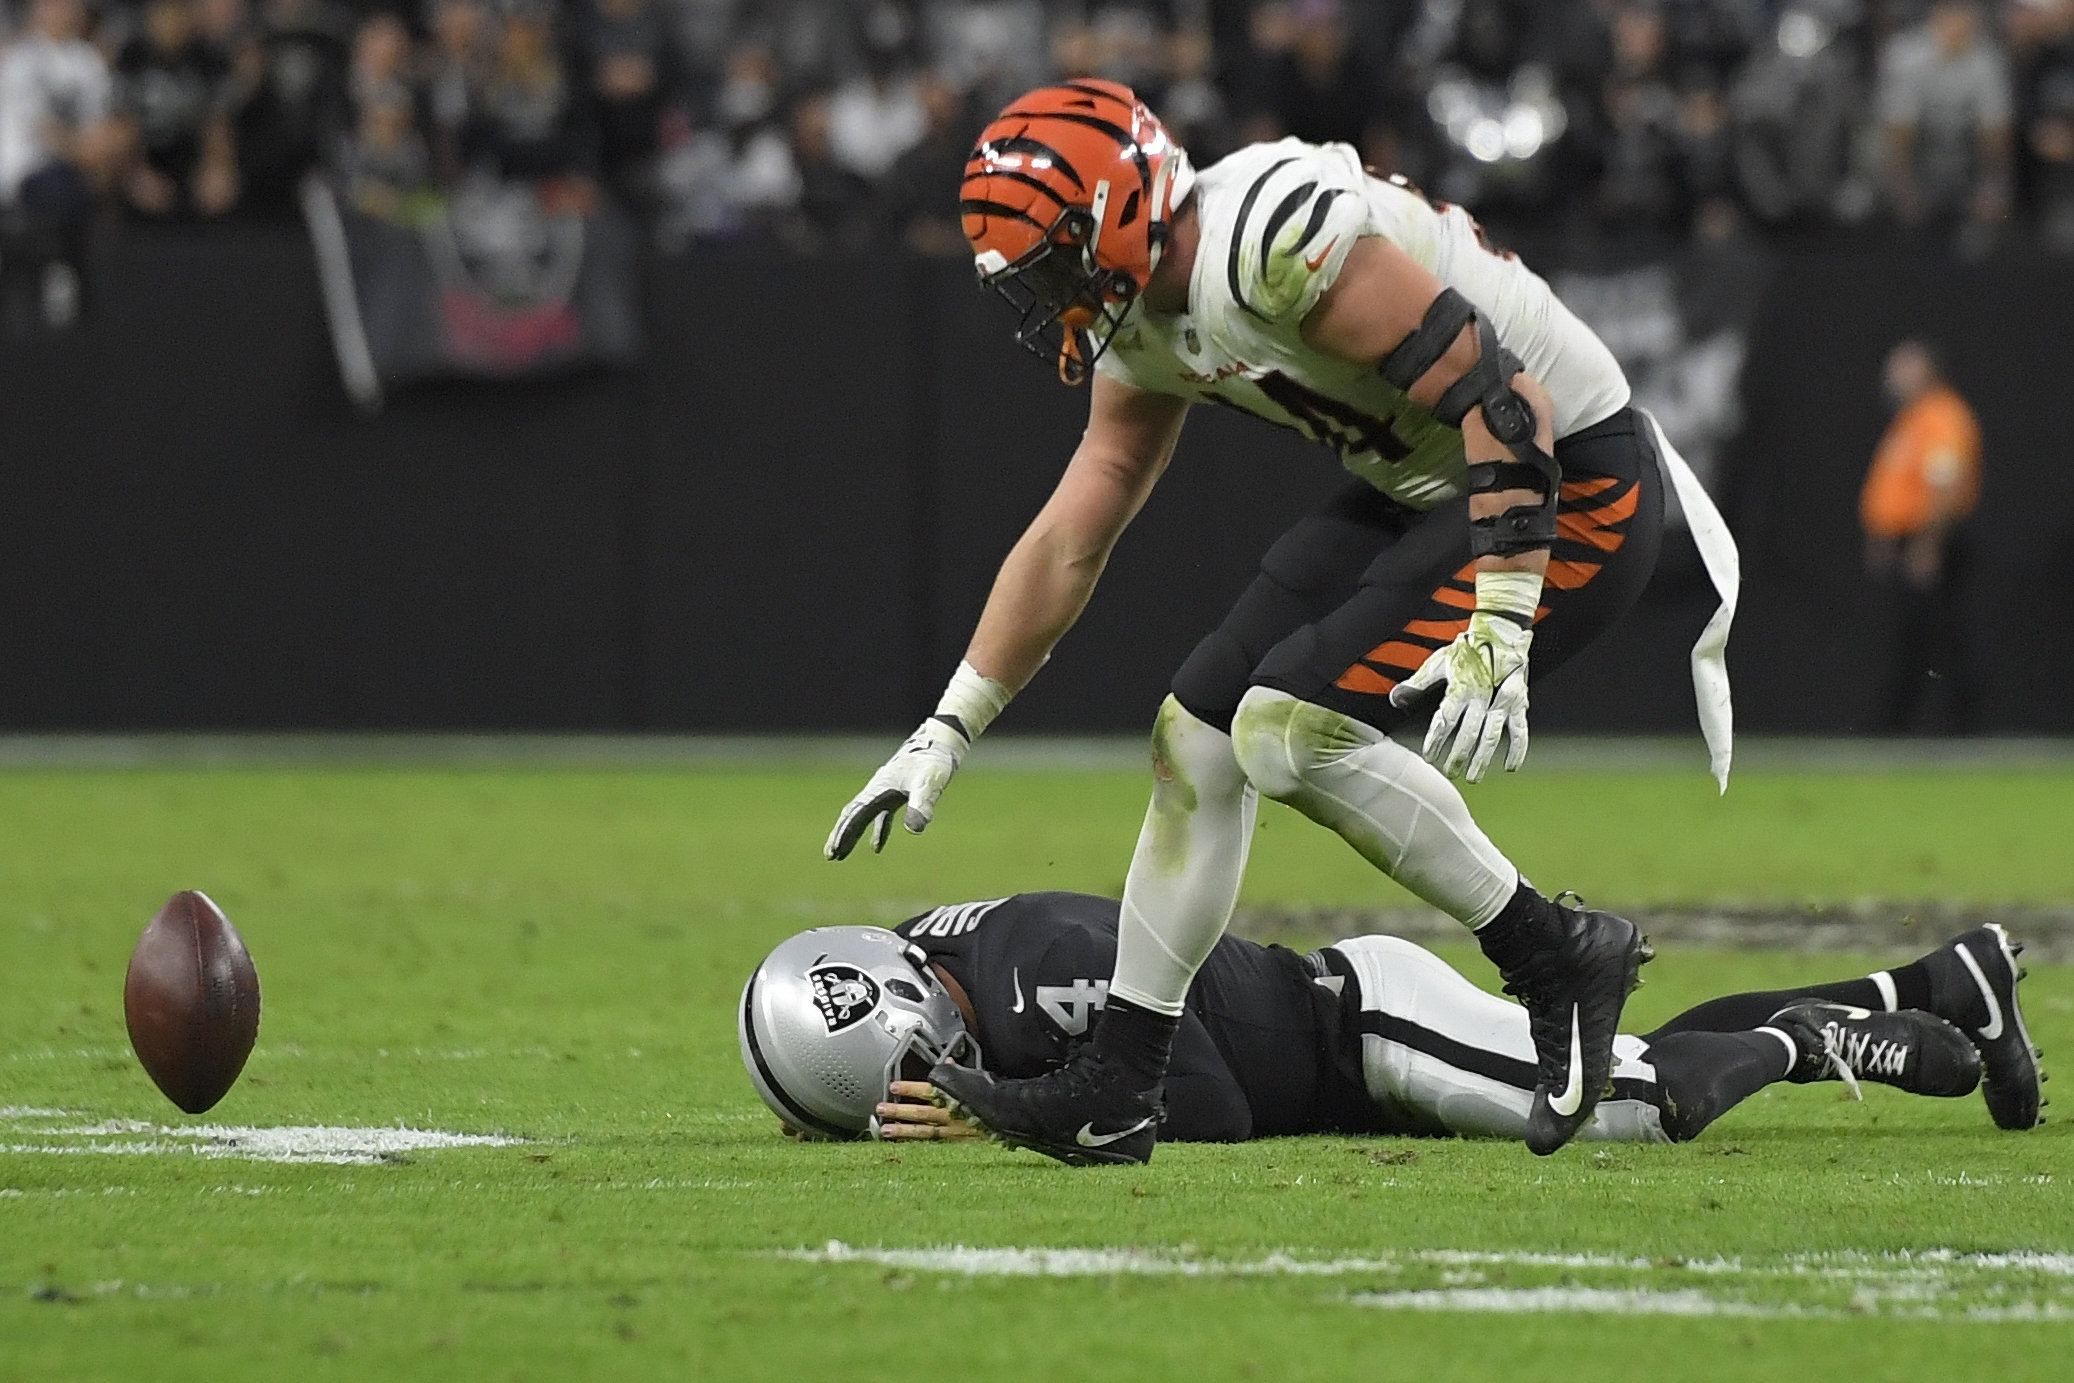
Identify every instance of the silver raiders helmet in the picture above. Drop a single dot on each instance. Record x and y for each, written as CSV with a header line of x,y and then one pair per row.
x,y
835,1015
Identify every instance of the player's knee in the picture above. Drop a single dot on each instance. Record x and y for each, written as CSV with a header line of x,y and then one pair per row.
x,y
1280,740
1192,757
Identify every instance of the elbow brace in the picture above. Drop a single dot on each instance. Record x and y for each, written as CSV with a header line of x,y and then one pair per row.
x,y
1486,385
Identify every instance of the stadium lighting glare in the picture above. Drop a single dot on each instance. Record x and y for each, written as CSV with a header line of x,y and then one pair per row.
x,y
1486,140
1524,132
1802,35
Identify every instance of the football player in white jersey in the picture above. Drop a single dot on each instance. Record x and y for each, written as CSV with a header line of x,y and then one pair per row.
x,y
1505,506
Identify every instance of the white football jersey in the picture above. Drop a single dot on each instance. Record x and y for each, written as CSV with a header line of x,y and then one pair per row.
x,y
1277,223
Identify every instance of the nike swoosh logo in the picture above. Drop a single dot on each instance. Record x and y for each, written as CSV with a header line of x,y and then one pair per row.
x,y
1572,1099
1017,978
1987,991
1314,265
1088,1138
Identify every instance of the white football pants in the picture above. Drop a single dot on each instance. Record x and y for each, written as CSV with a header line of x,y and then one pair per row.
x,y
1442,1056
1397,810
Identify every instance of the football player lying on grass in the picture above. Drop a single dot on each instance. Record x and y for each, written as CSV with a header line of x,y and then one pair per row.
x,y
840,1026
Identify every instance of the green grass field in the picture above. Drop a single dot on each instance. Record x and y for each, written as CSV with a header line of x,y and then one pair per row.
x,y
554,956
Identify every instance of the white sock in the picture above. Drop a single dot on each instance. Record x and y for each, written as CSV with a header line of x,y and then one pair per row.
x,y
1792,1048
1399,811
1191,855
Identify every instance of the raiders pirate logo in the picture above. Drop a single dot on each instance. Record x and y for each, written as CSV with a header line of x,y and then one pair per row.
x,y
844,994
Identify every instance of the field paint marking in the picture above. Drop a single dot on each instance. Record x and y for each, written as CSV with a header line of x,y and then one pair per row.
x,y
1853,1262
1074,1262
83,1053
1598,1301
2023,1311
1931,1284
342,1147
1045,1262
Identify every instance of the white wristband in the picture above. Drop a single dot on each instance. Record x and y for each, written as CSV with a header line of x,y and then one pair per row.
x,y
972,699
1516,593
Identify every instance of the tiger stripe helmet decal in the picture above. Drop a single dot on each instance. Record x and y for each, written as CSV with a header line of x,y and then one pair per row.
x,y
1067,202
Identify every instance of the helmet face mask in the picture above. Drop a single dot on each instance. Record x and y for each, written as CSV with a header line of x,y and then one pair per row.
x,y
833,1016
1068,307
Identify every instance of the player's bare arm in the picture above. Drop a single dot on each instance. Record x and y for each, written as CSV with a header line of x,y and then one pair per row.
x,y
1379,300
1086,217
1384,307
1042,587
1051,571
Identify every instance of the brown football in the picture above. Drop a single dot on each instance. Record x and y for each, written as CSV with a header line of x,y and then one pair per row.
x,y
192,1001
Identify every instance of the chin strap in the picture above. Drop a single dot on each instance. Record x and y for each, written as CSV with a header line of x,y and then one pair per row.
x,y
1072,365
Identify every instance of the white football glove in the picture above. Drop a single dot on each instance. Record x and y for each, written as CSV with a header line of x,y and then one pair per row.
x,y
1485,671
916,775
921,768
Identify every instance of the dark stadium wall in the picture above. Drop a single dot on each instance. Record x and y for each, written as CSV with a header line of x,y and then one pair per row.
x,y
788,519
1809,641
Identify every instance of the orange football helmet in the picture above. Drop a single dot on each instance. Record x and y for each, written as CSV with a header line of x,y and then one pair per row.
x,y
1068,202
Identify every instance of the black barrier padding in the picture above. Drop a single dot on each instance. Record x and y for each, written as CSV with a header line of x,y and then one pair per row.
x,y
1809,651
789,518
218,543
779,532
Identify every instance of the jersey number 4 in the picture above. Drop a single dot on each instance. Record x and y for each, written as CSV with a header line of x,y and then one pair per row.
x,y
1347,430
1073,1005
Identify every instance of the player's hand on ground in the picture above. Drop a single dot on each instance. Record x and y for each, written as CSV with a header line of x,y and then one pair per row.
x,y
1485,673
915,777
912,1114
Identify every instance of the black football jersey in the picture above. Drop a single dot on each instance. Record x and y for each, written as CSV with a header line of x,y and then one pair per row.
x,y
1253,1058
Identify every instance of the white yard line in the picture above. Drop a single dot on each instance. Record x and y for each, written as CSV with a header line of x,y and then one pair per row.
x,y
1042,1262
1933,1284
311,1143
1071,1262
1597,1301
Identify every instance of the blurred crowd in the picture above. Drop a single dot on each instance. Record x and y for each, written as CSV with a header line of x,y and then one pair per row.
x,y
832,124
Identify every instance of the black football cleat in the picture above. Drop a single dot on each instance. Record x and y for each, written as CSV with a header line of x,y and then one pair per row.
x,y
1573,993
1086,1113
1910,1050
1973,979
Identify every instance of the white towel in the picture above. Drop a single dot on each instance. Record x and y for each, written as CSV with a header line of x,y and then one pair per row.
x,y
1709,656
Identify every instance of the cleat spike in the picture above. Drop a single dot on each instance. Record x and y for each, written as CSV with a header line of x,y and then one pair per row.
x,y
2023,972
2016,948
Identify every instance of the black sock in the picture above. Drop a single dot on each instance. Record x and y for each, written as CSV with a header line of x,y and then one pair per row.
x,y
1702,1075
1527,925
1948,989
1137,1039
1740,1012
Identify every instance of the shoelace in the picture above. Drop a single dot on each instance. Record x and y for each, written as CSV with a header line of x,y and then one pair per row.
x,y
1837,1062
